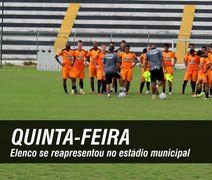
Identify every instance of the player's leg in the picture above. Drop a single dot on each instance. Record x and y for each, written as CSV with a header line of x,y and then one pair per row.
x,y
100,80
148,87
160,77
124,80
153,84
186,79
65,76
108,84
142,87
170,71
194,77
92,75
81,80
129,79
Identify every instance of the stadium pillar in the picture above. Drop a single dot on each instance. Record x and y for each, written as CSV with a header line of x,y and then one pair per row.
x,y
2,33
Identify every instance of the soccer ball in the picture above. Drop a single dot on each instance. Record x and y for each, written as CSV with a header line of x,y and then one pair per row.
x,y
163,96
122,95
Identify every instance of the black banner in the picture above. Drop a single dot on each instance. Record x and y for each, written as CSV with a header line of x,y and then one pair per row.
x,y
105,142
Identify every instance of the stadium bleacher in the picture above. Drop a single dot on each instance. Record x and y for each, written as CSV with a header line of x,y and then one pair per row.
x,y
133,21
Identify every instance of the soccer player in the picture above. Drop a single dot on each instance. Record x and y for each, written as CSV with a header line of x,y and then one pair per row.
x,y
79,67
127,60
143,81
121,48
67,64
168,56
203,74
192,63
112,65
155,58
100,70
93,58
210,71
118,51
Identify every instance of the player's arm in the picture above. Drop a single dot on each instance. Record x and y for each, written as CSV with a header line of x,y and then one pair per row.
x,y
74,60
145,63
208,67
135,60
163,63
175,60
57,59
118,63
186,61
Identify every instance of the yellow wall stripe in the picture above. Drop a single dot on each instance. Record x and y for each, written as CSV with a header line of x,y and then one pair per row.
x,y
185,31
66,26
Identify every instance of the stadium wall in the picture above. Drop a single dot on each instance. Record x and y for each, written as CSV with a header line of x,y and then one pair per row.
x,y
30,26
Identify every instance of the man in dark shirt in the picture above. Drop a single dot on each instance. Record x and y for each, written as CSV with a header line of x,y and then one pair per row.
x,y
112,65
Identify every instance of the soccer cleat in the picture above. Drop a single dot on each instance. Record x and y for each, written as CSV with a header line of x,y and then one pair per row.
x,y
153,97
93,92
82,93
202,93
170,93
148,92
66,92
195,96
205,98
100,94
139,94
109,96
182,93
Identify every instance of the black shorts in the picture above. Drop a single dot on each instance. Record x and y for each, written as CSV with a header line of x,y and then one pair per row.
x,y
109,77
157,75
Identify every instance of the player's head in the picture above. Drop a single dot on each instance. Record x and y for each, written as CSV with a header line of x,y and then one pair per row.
x,y
79,44
192,52
104,48
204,49
127,48
112,44
95,44
68,46
111,48
145,50
191,46
166,46
123,44
152,46
200,53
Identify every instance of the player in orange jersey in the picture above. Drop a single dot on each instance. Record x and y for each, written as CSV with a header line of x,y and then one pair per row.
x,y
203,74
100,70
143,81
192,63
67,64
79,67
168,56
93,58
128,58
210,71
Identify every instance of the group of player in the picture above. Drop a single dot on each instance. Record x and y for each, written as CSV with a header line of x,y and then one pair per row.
x,y
198,68
199,71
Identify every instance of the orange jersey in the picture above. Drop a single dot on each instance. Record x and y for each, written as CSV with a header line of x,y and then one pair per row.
x,y
79,56
100,61
93,54
168,56
193,62
204,61
127,59
67,56
142,58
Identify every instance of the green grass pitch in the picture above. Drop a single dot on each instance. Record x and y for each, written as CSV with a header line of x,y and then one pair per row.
x,y
28,94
